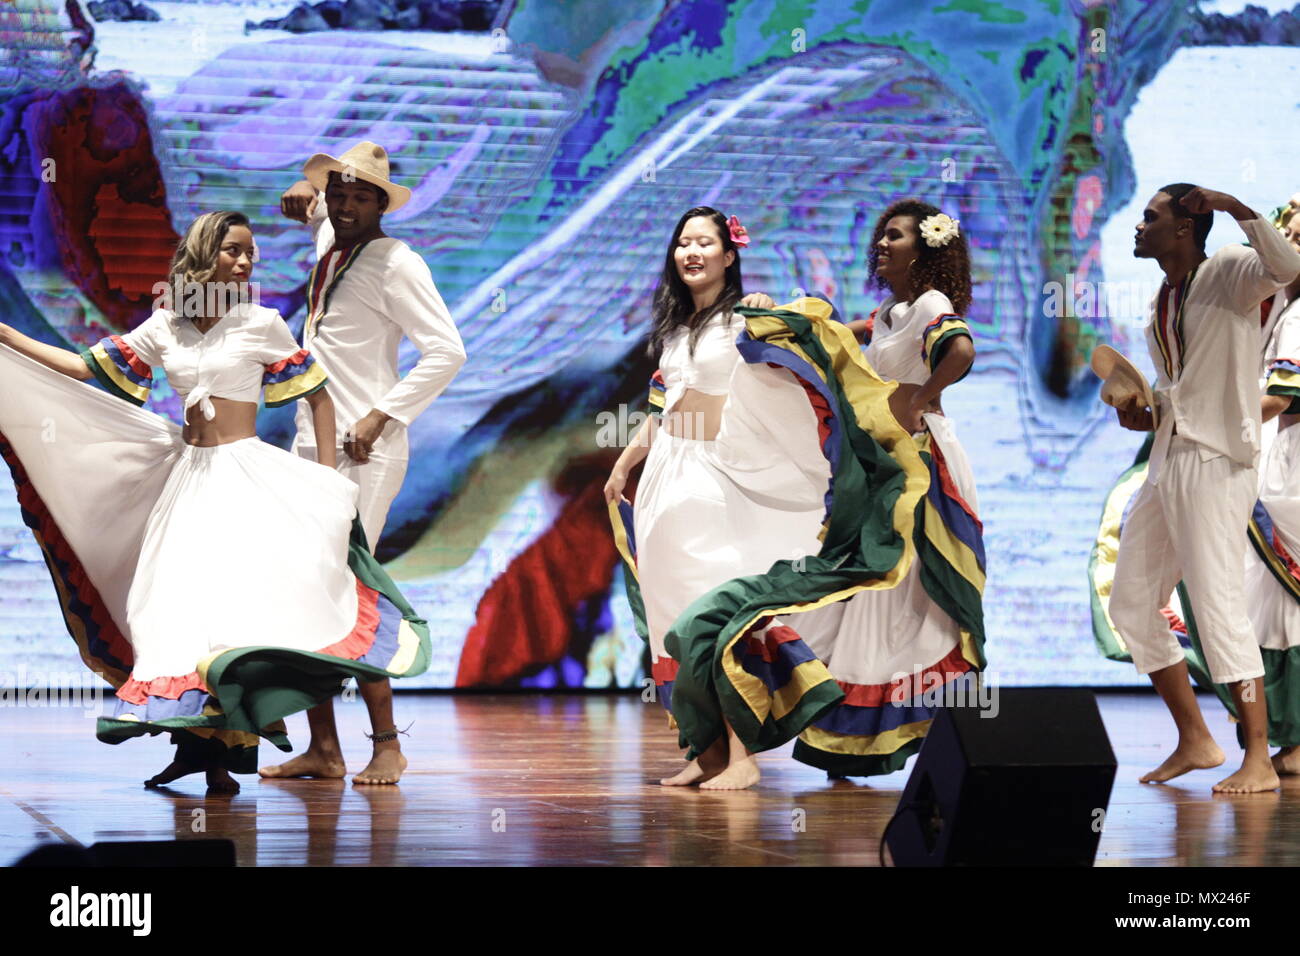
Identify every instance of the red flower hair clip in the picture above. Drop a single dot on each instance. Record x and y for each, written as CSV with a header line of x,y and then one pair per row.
x,y
739,235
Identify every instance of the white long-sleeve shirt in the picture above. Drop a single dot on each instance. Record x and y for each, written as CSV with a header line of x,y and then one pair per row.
x,y
1207,381
385,295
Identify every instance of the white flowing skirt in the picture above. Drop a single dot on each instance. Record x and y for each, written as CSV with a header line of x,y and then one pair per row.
x,y
889,635
246,546
710,511
191,550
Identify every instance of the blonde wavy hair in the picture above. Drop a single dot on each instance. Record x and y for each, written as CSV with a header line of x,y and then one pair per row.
x,y
195,260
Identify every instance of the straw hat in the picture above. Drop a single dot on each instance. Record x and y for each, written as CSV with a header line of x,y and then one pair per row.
x,y
366,161
1121,382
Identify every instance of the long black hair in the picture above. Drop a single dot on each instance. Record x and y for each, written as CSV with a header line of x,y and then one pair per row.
x,y
673,305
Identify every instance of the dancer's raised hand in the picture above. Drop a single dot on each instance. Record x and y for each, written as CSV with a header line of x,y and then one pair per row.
x,y
299,201
1202,200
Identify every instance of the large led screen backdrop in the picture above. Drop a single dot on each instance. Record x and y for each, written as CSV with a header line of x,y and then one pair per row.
x,y
551,147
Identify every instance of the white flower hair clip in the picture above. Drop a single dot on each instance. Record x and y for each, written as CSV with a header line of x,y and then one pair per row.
x,y
939,230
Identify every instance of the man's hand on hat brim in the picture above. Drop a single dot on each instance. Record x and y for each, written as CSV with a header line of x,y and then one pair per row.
x,y
1136,417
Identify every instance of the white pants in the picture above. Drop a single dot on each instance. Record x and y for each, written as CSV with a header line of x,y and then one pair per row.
x,y
1190,526
379,479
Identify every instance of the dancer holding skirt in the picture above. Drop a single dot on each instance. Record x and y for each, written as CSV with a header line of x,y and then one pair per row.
x,y
795,490
215,581
902,653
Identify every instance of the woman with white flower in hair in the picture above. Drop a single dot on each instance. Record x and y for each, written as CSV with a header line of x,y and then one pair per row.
x,y
901,653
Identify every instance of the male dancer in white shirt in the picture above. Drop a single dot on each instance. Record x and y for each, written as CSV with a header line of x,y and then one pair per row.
x,y
1188,520
367,292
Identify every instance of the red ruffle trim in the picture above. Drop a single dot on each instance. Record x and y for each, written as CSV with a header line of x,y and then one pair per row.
x,y
140,368
358,643
953,666
353,647
137,692
766,644
1175,622
664,670
297,358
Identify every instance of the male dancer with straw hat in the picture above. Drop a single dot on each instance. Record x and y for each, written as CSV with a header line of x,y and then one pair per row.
x,y
367,292
1188,520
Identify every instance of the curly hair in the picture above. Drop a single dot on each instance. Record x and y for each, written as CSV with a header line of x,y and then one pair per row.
x,y
945,269
673,305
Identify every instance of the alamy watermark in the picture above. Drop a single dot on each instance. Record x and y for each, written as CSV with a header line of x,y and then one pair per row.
x,y
23,688
194,300
935,689
618,429
76,908
1085,299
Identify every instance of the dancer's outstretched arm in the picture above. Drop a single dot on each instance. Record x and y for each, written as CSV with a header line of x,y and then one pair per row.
x,y
61,360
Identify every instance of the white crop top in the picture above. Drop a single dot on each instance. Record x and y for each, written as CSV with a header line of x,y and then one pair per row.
x,y
250,348
709,370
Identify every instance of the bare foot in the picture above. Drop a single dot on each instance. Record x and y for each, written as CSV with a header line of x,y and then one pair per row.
x,y
173,771
693,774
739,776
1187,757
220,781
704,767
1286,762
385,766
311,763
1254,777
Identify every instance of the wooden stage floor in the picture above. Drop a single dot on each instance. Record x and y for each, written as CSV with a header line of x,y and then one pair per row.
x,y
560,780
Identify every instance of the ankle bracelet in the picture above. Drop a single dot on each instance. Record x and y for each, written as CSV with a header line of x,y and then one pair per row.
x,y
387,735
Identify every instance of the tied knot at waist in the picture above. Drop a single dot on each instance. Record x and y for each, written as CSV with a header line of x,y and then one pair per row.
x,y
202,397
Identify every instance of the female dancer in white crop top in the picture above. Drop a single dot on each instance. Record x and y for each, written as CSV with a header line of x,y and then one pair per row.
x,y
900,653
170,548
689,516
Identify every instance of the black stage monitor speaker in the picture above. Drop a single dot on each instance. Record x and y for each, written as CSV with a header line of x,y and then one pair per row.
x,y
1027,787
164,853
